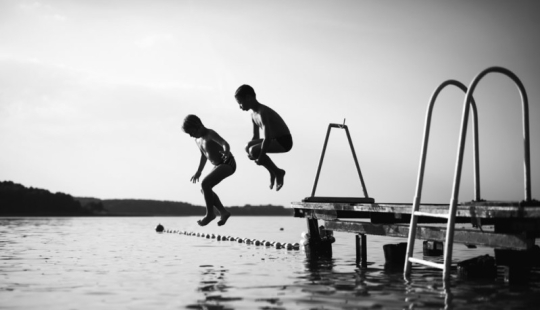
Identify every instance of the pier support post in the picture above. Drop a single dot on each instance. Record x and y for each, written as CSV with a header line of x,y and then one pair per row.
x,y
361,250
433,248
517,264
478,267
320,241
394,256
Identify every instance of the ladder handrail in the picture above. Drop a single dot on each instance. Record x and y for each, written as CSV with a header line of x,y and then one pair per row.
x,y
468,102
423,155
525,119
425,141
459,162
340,126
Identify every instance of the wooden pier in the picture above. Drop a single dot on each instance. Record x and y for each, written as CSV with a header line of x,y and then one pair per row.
x,y
510,227
497,224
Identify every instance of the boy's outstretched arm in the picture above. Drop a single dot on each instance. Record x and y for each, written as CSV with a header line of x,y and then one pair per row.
x,y
255,131
266,140
202,163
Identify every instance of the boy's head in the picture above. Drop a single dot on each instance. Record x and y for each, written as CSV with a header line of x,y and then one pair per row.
x,y
245,95
244,90
191,125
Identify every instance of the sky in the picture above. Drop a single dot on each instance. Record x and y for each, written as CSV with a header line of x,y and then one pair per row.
x,y
93,94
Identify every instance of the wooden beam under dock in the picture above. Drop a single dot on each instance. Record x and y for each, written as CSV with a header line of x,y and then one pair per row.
x,y
465,236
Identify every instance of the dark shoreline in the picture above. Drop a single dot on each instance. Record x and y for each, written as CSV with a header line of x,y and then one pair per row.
x,y
18,200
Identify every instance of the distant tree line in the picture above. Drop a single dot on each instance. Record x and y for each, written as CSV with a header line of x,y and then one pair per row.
x,y
138,207
15,199
18,200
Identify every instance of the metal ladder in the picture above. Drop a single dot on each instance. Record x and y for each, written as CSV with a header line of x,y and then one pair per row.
x,y
451,216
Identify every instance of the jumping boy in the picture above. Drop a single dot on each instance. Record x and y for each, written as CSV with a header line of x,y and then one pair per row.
x,y
276,135
215,149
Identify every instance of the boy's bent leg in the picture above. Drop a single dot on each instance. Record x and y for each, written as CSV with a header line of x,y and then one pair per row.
x,y
276,174
212,179
280,175
277,147
267,163
224,214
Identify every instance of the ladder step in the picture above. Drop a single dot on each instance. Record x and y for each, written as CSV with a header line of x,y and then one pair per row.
x,y
426,262
418,213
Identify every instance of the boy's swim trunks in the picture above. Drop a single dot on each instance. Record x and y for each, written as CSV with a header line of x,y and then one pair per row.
x,y
285,141
230,162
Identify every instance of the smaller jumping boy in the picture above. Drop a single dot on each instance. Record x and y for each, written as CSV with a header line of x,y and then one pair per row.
x,y
276,135
215,149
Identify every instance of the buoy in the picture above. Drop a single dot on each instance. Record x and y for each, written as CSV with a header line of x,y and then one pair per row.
x,y
278,245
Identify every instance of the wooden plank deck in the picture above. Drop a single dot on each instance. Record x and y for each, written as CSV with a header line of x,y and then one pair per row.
x,y
483,209
515,225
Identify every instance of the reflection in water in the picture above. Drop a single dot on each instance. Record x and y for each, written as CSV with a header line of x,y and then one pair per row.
x,y
368,287
337,290
97,263
212,284
8,224
318,268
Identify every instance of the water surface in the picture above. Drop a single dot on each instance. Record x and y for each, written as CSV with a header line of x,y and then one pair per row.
x,y
122,263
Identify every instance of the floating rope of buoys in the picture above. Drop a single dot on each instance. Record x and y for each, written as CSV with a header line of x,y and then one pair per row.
x,y
256,242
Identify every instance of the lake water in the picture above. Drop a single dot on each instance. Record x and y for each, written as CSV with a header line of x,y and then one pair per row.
x,y
122,263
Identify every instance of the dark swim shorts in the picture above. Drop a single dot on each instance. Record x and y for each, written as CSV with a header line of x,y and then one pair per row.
x,y
285,141
230,162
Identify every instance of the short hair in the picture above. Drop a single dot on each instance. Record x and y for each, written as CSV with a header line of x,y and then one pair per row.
x,y
244,90
191,121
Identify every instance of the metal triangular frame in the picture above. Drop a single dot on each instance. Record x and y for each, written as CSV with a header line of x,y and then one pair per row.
x,y
313,198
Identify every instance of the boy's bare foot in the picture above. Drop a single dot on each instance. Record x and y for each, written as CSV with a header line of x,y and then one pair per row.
x,y
279,177
207,219
272,180
224,218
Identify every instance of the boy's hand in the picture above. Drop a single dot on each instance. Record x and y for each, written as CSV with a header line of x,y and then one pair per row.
x,y
258,161
225,155
195,177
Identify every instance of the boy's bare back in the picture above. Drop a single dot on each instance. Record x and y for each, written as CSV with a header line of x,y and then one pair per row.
x,y
209,147
270,122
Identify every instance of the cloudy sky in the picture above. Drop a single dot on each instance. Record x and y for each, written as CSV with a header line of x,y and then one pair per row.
x,y
93,94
